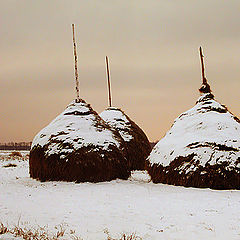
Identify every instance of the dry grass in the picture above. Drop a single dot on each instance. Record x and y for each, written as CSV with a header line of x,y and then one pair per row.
x,y
42,233
3,229
10,165
124,236
15,154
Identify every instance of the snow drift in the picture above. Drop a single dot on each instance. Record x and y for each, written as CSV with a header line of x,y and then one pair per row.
x,y
137,146
78,146
202,148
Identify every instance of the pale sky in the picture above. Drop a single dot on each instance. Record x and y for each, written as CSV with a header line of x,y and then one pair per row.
x,y
153,50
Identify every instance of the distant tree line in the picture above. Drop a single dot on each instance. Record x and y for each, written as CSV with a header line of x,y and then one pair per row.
x,y
15,146
27,145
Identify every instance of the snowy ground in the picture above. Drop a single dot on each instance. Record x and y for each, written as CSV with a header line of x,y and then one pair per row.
x,y
152,211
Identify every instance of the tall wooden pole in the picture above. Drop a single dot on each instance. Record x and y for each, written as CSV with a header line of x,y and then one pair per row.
x,y
205,88
203,70
76,70
109,85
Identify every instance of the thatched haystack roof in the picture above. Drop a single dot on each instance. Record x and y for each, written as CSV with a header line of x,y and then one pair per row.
x,y
137,146
202,148
78,146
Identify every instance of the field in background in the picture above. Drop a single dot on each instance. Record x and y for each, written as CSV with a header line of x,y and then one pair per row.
x,y
107,210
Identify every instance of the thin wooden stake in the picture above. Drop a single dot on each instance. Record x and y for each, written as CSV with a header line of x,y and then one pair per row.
x,y
205,88
109,85
76,70
203,70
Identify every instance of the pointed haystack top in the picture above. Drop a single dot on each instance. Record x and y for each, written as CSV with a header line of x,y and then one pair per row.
x,y
118,120
205,87
207,125
137,146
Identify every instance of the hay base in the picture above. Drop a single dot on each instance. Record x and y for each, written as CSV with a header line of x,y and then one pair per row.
x,y
211,176
83,165
137,150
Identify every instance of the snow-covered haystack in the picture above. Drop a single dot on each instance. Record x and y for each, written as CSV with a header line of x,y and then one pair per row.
x,y
137,146
202,148
78,146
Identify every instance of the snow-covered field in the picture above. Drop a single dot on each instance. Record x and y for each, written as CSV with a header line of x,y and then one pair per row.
x,y
152,211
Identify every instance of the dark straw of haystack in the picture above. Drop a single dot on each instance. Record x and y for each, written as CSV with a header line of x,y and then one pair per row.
x,y
203,70
76,70
109,85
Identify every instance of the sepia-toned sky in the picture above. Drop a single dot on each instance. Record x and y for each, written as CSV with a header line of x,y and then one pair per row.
x,y
153,50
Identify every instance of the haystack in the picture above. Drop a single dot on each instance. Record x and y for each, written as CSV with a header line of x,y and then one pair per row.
x,y
202,148
78,146
137,146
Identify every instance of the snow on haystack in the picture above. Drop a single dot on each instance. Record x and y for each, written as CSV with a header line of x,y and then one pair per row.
x,y
78,146
202,148
137,146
